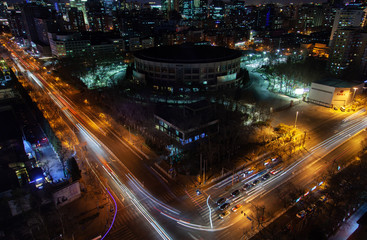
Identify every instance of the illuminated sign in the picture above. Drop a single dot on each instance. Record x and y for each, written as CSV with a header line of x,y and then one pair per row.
x,y
341,93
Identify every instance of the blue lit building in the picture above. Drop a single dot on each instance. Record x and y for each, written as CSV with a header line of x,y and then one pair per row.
x,y
189,124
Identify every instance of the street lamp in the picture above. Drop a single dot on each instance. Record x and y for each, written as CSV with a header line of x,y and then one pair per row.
x,y
355,89
295,121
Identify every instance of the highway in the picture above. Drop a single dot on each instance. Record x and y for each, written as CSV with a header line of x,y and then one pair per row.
x,y
172,212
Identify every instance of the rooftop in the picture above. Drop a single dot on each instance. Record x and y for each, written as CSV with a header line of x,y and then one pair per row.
x,y
8,125
333,82
188,53
187,120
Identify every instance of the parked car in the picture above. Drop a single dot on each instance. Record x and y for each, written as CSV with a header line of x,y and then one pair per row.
x,y
221,201
237,207
265,176
255,182
246,187
301,214
224,214
224,206
311,208
236,193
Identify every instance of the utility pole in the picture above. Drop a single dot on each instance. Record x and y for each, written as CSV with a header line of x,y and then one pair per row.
x,y
130,134
204,175
201,165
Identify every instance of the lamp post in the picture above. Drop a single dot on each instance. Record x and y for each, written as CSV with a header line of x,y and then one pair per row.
x,y
295,121
355,89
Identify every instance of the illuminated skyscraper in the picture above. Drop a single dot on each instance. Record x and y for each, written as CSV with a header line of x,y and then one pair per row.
x,y
350,16
80,5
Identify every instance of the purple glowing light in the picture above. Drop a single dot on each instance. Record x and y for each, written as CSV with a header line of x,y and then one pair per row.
x,y
114,216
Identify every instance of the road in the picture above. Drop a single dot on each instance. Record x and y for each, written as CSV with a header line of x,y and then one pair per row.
x,y
153,203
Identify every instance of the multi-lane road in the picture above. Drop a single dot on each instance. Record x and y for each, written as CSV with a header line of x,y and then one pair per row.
x,y
150,207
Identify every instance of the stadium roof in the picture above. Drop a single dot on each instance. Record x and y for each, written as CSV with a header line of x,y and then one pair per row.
x,y
187,53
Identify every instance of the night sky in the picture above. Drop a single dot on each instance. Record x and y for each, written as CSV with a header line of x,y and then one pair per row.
x,y
249,2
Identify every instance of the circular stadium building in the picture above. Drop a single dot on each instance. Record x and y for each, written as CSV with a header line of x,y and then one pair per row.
x,y
187,68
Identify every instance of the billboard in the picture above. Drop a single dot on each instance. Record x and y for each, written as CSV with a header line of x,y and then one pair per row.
x,y
67,194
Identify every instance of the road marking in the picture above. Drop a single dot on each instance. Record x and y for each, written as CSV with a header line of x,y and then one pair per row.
x,y
159,175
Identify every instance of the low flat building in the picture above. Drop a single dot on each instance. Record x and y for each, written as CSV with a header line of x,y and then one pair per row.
x,y
334,92
188,124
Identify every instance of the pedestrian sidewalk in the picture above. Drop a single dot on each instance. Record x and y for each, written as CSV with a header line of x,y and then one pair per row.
x,y
349,226
90,215
49,161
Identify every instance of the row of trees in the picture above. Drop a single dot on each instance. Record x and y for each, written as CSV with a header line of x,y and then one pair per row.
x,y
284,77
58,132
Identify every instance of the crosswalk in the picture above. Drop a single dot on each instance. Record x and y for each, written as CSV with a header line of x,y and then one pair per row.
x,y
200,202
122,232
120,228
128,215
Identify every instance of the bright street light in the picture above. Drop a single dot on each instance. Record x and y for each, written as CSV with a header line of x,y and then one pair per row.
x,y
295,122
355,89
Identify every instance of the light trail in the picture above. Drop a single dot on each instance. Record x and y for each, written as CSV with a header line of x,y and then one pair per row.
x,y
210,212
150,197
114,216
354,115
203,228
287,173
138,205
91,137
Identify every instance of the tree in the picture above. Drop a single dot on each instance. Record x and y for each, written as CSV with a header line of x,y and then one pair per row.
x,y
73,169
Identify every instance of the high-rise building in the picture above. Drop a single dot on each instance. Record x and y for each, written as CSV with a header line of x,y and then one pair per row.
x,y
350,16
76,20
170,5
347,42
309,16
80,5
15,23
69,45
347,50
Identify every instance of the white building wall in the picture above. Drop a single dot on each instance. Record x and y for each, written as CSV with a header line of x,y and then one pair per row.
x,y
342,97
321,94
331,96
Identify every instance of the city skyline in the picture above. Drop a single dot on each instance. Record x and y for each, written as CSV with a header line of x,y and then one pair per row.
x,y
186,120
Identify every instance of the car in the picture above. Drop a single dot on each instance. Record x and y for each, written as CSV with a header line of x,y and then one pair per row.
x,y
224,206
198,192
236,208
275,171
246,187
236,193
255,182
322,198
265,177
342,109
311,207
301,214
221,201
224,214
